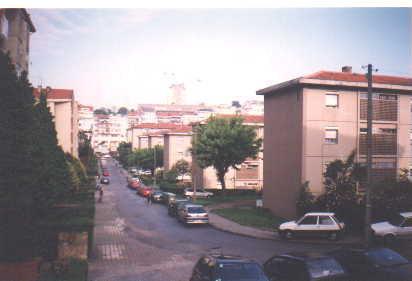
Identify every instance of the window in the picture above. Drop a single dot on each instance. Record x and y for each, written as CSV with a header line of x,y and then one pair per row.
x,y
326,220
309,220
331,135
407,223
332,100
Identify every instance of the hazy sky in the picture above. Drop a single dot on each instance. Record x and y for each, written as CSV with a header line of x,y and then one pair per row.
x,y
125,57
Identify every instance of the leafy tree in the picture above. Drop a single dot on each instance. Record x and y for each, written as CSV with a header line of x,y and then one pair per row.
x,y
182,168
79,169
102,110
224,143
123,111
144,158
306,199
124,150
236,103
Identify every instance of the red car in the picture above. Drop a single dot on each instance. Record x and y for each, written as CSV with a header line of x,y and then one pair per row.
x,y
134,184
106,173
145,191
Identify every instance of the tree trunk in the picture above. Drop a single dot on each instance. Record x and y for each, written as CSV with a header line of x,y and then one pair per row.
x,y
221,178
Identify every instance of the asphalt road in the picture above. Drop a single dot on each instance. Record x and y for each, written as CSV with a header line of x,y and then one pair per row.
x,y
135,241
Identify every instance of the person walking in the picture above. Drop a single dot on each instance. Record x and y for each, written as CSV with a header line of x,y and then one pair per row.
x,y
149,200
100,193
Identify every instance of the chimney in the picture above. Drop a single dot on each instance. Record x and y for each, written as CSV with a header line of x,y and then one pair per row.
x,y
347,69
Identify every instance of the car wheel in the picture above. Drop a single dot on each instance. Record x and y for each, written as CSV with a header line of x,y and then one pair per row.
x,y
288,234
333,236
388,239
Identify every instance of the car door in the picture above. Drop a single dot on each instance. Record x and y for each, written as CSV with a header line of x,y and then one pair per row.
x,y
272,268
326,224
405,230
307,226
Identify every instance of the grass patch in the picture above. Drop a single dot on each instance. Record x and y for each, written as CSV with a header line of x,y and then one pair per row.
x,y
253,217
220,199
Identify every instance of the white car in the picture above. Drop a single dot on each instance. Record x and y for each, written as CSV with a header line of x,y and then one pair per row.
x,y
313,224
398,227
189,192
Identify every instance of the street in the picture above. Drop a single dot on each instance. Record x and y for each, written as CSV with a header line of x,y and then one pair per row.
x,y
140,242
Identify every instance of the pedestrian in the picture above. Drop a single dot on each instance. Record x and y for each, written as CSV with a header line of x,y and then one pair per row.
x,y
149,200
100,193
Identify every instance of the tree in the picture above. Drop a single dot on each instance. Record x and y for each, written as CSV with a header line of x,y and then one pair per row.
x,y
123,111
102,110
224,143
144,158
236,103
124,150
182,168
305,202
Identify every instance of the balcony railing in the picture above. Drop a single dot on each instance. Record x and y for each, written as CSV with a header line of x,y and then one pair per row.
x,y
382,144
383,110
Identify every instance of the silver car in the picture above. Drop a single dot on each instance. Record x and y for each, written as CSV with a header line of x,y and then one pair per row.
x,y
397,227
192,214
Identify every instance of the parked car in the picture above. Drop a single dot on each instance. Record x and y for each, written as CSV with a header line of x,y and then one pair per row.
x,y
104,180
173,206
227,268
189,192
169,197
313,224
192,214
106,173
305,267
144,191
398,226
133,178
132,170
374,264
135,184
145,172
157,196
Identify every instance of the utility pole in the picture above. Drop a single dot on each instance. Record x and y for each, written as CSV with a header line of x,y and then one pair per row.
x,y
154,168
369,151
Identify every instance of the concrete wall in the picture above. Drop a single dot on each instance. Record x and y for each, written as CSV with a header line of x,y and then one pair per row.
x,y
316,153
63,124
404,131
283,151
156,140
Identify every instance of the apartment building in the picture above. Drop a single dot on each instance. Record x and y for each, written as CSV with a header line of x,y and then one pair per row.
x,y
177,143
315,119
249,174
64,109
15,30
86,119
108,132
134,132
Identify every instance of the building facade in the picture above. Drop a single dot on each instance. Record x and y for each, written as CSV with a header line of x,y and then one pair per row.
x,y
86,119
177,144
64,109
15,30
108,132
313,120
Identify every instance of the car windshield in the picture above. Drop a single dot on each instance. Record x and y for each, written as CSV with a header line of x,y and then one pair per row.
x,y
240,272
396,220
196,210
385,257
324,267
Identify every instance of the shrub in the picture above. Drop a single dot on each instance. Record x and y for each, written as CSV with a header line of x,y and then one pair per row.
x,y
305,201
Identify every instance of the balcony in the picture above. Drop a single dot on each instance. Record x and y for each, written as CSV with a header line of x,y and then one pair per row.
x,y
383,109
382,144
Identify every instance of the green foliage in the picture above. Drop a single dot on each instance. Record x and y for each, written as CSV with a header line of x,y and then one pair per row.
x,y
224,143
123,111
86,155
102,110
124,150
79,169
170,176
144,158
305,201
182,168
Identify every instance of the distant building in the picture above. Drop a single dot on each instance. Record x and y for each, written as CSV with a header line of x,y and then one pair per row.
x,y
86,119
133,118
64,109
108,132
318,118
177,94
134,132
15,30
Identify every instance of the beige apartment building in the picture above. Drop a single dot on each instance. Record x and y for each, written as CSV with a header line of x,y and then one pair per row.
x,y
15,30
145,129
177,144
64,109
315,119
249,174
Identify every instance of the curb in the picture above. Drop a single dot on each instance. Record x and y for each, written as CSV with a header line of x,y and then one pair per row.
x,y
277,238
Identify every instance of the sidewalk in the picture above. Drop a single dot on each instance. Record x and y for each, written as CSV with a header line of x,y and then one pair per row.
x,y
226,225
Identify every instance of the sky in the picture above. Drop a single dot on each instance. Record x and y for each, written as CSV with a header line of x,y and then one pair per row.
x,y
125,57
